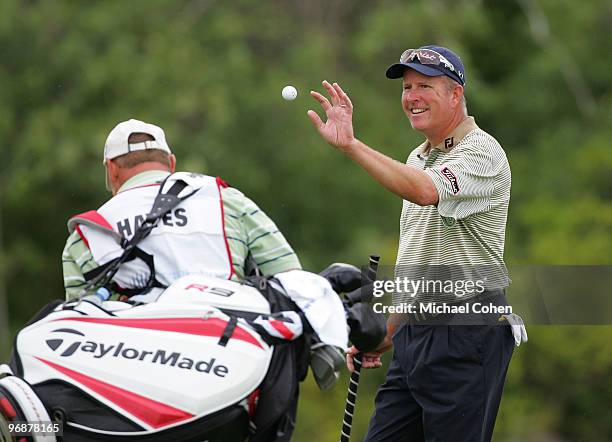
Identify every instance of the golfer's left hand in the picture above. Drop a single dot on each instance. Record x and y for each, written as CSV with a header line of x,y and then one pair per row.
x,y
338,129
368,360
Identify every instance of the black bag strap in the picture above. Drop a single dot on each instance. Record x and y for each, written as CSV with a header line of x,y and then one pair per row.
x,y
164,203
228,331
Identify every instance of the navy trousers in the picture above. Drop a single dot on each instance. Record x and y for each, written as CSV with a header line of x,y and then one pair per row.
x,y
444,383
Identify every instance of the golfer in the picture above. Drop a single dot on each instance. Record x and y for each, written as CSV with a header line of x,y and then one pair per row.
x,y
445,379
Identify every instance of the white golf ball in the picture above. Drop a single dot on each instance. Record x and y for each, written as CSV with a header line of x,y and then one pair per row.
x,y
289,93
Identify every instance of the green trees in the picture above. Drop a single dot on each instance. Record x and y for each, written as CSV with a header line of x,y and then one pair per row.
x,y
211,73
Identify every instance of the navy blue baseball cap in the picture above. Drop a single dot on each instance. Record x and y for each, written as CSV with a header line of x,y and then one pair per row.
x,y
430,60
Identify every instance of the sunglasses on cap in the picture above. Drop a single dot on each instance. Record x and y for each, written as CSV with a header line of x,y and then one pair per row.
x,y
429,57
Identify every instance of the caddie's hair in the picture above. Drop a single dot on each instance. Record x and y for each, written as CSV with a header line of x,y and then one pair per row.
x,y
132,159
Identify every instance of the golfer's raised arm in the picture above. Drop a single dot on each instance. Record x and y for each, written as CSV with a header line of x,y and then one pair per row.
x,y
405,181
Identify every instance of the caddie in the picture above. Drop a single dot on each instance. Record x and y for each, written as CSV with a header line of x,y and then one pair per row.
x,y
215,232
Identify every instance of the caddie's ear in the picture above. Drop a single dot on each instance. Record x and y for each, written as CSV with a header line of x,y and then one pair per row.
x,y
172,163
112,176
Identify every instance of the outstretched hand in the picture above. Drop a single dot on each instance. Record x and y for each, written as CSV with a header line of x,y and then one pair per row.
x,y
338,129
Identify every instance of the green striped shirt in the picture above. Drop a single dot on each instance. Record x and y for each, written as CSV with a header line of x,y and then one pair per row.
x,y
249,231
462,238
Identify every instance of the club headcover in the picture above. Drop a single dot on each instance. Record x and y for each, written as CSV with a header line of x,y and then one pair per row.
x,y
343,277
367,328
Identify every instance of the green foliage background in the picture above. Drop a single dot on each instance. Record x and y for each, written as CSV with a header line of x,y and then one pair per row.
x,y
210,73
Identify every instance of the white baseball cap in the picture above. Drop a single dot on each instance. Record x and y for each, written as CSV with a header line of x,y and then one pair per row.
x,y
117,141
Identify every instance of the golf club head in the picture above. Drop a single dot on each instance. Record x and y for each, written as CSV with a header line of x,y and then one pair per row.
x,y
326,361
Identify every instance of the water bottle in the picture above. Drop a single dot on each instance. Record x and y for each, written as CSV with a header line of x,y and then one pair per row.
x,y
101,295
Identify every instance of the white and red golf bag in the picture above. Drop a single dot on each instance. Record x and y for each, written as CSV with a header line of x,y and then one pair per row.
x,y
210,360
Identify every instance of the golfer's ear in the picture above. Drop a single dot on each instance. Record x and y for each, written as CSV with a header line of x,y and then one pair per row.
x,y
458,93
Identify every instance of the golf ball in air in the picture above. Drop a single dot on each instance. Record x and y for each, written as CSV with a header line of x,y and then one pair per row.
x,y
289,93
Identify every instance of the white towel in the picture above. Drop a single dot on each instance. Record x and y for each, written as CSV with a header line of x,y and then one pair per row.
x,y
321,305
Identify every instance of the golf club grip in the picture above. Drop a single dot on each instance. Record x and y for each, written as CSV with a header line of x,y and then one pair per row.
x,y
373,266
351,396
351,400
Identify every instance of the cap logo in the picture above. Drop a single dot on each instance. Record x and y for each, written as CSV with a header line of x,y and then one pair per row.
x,y
427,56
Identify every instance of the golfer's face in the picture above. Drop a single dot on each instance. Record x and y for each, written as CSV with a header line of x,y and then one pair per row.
x,y
427,101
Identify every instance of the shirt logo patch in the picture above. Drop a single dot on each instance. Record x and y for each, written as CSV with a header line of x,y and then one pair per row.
x,y
450,176
449,142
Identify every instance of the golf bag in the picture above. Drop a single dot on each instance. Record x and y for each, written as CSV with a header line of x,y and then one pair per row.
x,y
210,360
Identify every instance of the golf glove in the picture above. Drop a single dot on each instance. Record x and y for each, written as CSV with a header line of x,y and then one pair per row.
x,y
519,332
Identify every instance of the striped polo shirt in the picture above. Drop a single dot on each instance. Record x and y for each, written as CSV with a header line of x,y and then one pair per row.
x,y
462,238
248,229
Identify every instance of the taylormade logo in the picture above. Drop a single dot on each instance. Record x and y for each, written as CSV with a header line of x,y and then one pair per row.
x,y
100,350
